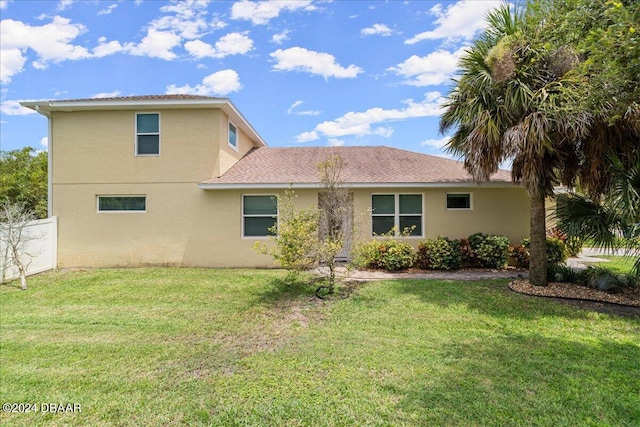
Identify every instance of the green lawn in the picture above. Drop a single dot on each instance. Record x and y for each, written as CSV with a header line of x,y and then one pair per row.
x,y
617,264
238,347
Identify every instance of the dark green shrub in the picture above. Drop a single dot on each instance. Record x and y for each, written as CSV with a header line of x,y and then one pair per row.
x,y
489,251
557,252
561,273
439,254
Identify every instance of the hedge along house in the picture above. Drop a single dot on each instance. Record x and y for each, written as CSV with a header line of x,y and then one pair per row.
x,y
186,180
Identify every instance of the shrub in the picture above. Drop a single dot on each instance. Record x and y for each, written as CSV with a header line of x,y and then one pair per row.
x,y
561,273
520,255
468,259
439,254
489,251
369,254
397,256
390,255
573,244
556,250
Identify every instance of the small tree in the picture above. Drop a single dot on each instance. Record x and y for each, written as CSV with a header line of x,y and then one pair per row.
x,y
14,236
295,238
311,237
335,217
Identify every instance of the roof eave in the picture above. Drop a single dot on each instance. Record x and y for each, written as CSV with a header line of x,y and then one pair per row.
x,y
47,107
357,185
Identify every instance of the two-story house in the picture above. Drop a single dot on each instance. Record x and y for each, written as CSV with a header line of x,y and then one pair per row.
x,y
186,180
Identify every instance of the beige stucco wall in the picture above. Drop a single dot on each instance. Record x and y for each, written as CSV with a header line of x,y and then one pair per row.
x,y
93,153
186,226
99,147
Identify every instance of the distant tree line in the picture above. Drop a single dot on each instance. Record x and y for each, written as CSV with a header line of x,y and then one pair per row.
x,y
23,179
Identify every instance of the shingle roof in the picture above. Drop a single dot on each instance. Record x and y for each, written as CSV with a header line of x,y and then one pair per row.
x,y
362,166
177,97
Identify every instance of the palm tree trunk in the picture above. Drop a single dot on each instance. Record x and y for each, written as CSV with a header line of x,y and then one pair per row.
x,y
538,246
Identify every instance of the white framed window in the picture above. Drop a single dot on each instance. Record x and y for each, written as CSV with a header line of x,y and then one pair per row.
x,y
147,134
122,203
459,201
259,215
233,136
402,211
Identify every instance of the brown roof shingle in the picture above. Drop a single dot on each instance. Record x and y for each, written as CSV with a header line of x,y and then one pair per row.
x,y
362,165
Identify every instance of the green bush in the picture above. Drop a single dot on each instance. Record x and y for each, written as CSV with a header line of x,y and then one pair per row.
x,y
397,256
557,252
439,254
489,251
391,255
561,273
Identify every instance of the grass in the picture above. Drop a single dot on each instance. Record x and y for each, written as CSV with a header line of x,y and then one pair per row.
x,y
240,348
616,264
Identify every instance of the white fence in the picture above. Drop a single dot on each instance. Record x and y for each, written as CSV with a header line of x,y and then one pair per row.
x,y
40,251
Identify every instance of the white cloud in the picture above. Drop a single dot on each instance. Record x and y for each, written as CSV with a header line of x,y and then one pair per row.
x,y
11,63
189,19
44,142
307,136
335,142
434,69
231,44
280,37
217,84
105,49
108,10
13,108
292,110
51,42
362,123
261,12
64,4
4,4
436,143
113,94
317,63
377,29
156,44
458,21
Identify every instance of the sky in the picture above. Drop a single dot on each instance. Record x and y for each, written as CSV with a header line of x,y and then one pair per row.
x,y
303,73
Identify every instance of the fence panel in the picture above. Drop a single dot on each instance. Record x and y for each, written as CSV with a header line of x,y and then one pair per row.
x,y
42,245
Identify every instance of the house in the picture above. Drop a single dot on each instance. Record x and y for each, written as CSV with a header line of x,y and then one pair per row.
x,y
186,180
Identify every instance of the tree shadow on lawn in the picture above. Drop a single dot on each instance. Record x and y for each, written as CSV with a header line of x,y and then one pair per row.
x,y
492,297
518,379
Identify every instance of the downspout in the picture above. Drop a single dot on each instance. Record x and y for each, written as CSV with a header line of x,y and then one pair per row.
x,y
49,161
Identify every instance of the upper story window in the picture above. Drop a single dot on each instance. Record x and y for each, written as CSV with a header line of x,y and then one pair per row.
x,y
459,201
147,134
233,136
402,211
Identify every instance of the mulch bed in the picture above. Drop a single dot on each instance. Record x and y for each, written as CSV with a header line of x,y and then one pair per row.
x,y
624,302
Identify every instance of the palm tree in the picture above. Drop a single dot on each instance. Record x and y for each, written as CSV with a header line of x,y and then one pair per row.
x,y
613,220
505,107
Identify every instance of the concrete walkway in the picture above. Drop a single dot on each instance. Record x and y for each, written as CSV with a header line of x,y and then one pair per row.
x,y
586,257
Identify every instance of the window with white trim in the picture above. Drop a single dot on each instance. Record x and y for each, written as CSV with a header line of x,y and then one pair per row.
x,y
402,211
147,134
259,215
459,201
122,203
233,136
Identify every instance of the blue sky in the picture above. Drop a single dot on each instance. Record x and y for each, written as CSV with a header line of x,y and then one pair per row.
x,y
303,73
